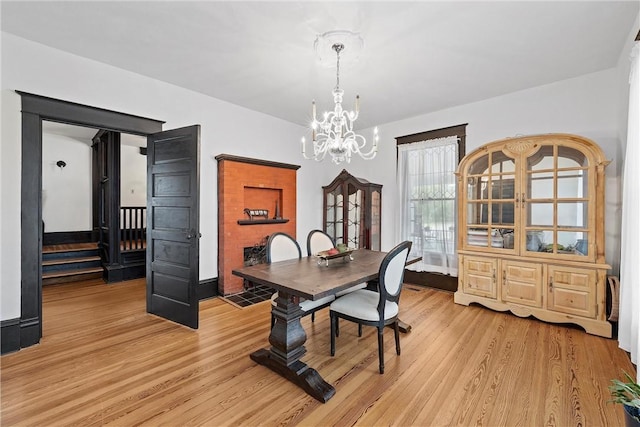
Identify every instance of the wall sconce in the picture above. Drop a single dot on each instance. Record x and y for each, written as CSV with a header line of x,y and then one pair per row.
x,y
61,164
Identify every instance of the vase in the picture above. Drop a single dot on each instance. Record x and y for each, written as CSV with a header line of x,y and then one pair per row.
x,y
631,416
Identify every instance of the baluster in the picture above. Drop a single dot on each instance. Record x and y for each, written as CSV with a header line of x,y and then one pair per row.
x,y
129,231
138,228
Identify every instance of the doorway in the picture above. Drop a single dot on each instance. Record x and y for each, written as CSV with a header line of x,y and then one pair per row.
x,y
76,203
36,109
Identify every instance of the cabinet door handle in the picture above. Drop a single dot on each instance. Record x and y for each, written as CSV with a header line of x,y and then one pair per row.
x,y
550,283
504,278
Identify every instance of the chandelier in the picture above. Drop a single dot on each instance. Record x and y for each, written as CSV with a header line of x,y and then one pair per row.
x,y
334,133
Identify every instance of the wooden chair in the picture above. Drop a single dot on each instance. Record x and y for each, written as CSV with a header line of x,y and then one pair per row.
x,y
371,308
280,247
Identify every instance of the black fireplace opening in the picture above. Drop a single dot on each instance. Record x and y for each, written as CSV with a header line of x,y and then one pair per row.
x,y
253,292
256,254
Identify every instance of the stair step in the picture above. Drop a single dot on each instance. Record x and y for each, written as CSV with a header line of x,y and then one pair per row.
x,y
70,264
61,261
66,273
64,276
74,253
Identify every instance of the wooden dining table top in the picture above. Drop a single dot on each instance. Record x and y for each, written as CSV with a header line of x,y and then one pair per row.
x,y
311,280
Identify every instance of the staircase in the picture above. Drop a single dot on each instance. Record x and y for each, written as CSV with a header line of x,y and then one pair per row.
x,y
70,264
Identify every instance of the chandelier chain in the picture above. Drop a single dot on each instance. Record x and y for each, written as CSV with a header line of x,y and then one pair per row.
x,y
338,48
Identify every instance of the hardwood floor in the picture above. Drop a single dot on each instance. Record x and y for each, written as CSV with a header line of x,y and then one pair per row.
x,y
103,360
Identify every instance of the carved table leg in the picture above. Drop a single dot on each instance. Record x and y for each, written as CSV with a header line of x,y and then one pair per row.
x,y
287,340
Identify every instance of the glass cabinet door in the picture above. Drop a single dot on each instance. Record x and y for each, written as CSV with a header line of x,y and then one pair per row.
x,y
376,208
334,207
354,217
556,202
491,202
352,212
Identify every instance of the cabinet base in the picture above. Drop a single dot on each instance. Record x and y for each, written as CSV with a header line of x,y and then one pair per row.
x,y
591,326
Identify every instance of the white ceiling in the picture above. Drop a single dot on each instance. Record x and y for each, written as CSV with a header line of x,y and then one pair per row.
x,y
418,57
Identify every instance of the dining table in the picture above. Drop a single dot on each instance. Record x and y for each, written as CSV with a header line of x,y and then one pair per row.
x,y
310,279
306,278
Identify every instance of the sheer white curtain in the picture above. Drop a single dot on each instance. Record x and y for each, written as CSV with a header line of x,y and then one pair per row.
x,y
629,314
427,202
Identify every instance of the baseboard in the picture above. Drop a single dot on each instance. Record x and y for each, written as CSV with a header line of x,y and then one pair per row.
x,y
9,336
66,237
432,280
207,288
16,334
119,273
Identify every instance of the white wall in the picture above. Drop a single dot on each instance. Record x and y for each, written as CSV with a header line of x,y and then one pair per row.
x,y
133,176
585,106
225,128
66,192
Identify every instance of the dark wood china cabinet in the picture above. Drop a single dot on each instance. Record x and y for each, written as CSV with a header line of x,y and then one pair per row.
x,y
352,210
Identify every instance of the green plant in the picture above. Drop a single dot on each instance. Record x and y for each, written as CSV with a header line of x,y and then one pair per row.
x,y
627,393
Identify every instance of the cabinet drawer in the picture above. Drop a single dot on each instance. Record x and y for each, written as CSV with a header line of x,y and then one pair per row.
x,y
479,276
572,291
522,283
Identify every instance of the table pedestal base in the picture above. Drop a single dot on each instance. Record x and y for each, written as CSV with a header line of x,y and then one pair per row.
x,y
298,373
287,340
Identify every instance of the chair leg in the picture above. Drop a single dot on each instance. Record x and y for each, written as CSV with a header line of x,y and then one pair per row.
x,y
359,329
396,330
313,316
273,321
381,349
334,321
337,326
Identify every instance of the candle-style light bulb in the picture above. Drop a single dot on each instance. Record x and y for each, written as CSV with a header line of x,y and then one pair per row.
x,y
313,109
357,103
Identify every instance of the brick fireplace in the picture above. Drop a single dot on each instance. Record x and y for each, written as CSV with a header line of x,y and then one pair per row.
x,y
256,185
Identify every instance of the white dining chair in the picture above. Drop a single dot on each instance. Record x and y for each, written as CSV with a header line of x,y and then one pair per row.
x,y
371,308
318,241
280,247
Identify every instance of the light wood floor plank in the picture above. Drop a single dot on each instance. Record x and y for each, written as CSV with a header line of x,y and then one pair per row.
x,y
104,361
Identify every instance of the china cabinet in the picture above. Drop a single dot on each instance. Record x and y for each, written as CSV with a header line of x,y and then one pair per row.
x,y
531,229
352,209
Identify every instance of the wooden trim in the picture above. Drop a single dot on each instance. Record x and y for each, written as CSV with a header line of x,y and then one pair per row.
x,y
207,288
260,162
31,222
431,280
85,115
458,130
35,109
9,336
65,237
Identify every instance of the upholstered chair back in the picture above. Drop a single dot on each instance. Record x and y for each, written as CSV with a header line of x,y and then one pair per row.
x,y
281,246
318,241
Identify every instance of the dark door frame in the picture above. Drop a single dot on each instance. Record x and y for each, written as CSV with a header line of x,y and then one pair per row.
x,y
35,109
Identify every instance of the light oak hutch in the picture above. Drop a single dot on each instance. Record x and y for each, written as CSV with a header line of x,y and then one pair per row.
x,y
531,229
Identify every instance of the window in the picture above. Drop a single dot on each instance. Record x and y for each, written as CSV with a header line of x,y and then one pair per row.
x,y
427,196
